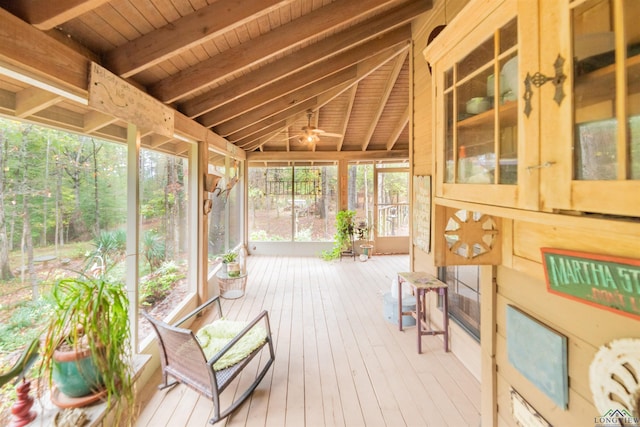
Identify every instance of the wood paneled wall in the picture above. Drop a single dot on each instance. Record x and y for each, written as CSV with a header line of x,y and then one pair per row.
x,y
519,280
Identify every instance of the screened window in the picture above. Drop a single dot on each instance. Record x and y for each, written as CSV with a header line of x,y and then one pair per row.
x,y
164,234
292,203
464,296
225,218
361,195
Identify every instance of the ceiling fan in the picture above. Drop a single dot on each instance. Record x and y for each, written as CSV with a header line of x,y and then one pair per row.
x,y
311,134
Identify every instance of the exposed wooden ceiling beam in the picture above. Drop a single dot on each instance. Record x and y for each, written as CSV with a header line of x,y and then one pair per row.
x,y
293,113
43,58
382,101
305,57
262,48
347,116
259,144
155,141
265,156
32,99
397,130
281,115
267,131
40,56
350,76
277,104
186,32
95,120
48,14
305,77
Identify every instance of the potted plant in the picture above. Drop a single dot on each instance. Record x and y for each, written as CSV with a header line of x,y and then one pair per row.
x,y
229,261
362,232
345,230
87,342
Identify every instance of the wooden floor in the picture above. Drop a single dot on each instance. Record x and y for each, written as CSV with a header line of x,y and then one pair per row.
x,y
339,362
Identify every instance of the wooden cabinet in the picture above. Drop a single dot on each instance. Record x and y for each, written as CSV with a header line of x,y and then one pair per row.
x,y
479,130
537,105
593,137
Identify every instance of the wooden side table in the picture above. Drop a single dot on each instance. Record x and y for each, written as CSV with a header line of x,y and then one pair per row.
x,y
422,283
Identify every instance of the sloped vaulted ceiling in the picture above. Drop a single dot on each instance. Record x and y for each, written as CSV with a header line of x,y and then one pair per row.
x,y
249,71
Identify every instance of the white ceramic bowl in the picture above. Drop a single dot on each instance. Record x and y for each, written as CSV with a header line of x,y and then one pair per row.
x,y
510,74
491,84
478,105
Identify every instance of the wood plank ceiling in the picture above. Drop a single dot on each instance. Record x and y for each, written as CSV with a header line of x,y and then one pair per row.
x,y
258,73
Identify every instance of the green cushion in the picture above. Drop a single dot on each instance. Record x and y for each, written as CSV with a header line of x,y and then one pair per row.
x,y
214,336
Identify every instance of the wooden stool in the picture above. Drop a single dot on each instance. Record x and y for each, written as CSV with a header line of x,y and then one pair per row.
x,y
422,283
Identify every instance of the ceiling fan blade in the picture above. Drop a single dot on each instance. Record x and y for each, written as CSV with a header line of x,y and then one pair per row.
x,y
331,134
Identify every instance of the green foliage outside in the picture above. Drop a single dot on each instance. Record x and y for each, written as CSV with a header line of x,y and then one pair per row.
x,y
153,249
156,286
63,198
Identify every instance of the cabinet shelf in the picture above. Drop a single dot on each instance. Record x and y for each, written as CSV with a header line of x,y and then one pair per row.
x,y
598,85
507,111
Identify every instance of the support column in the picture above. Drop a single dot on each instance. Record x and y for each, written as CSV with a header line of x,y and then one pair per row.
x,y
133,219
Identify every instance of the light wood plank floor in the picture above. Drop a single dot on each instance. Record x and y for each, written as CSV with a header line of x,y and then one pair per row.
x,y
339,362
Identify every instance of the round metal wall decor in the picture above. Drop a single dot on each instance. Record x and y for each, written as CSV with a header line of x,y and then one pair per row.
x,y
614,377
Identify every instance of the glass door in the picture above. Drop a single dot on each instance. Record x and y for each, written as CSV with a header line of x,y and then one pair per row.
x,y
392,210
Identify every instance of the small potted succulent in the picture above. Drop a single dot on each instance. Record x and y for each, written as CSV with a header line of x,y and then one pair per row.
x,y
229,261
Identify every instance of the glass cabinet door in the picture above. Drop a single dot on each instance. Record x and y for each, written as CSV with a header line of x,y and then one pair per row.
x,y
480,98
606,50
593,135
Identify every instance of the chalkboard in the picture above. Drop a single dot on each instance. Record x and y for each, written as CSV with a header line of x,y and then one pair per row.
x,y
539,353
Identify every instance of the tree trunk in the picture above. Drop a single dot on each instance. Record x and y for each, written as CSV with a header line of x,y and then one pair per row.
x,y
96,197
59,238
27,246
170,205
43,237
27,239
74,171
352,197
5,268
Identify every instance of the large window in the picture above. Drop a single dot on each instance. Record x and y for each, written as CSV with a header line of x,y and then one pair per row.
x,y
225,218
292,203
63,212
164,234
464,296
360,194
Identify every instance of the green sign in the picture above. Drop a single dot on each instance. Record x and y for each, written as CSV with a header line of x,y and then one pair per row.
x,y
609,282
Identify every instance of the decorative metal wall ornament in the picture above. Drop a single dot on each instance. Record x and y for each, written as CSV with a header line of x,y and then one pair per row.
x,y
538,79
470,234
614,377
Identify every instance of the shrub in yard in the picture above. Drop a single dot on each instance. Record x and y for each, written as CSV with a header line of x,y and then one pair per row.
x,y
110,245
153,249
156,286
